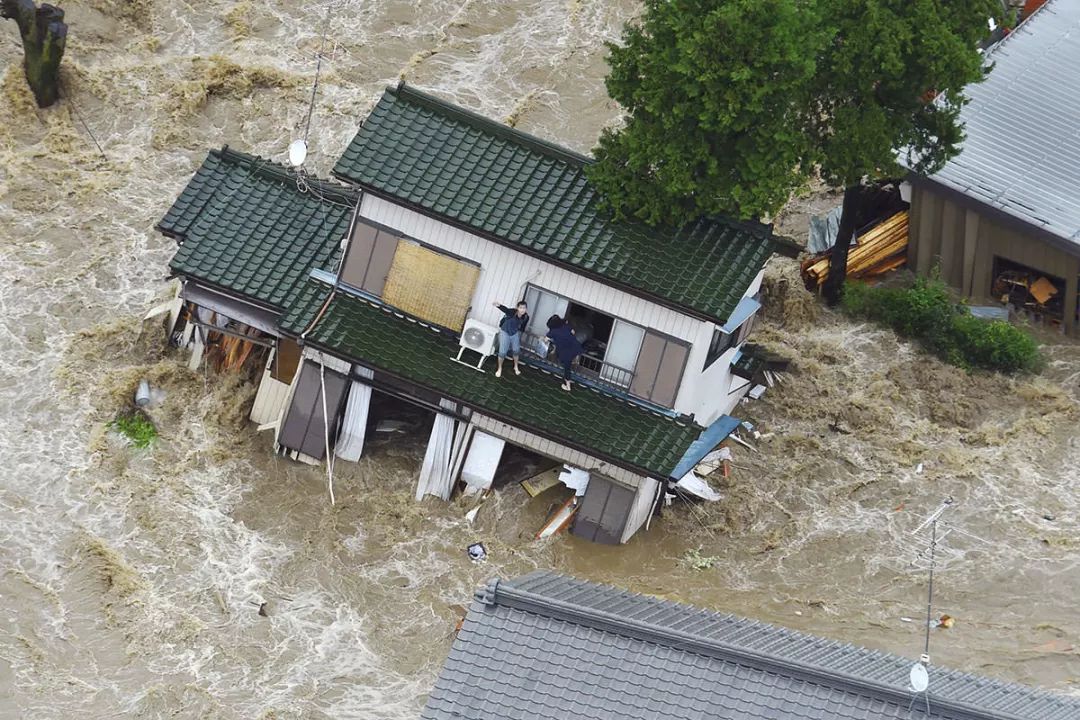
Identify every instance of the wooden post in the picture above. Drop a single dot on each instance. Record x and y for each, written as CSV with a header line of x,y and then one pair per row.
x,y
44,35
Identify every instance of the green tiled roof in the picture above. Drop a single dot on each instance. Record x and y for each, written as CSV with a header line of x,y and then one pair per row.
x,y
244,226
447,161
599,424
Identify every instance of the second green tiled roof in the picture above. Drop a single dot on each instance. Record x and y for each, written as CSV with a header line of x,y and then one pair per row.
x,y
245,225
453,163
609,428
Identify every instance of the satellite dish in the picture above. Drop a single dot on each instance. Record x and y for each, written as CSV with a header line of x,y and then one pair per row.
x,y
920,679
297,153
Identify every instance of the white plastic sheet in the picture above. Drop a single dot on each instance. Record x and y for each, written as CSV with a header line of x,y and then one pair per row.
x,y
354,426
698,487
575,479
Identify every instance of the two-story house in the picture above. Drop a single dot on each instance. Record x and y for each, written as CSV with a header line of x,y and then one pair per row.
x,y
448,213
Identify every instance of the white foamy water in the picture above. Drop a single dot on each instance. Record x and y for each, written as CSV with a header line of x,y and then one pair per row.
x,y
132,580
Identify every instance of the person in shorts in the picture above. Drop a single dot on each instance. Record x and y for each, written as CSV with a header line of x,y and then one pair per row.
x,y
511,328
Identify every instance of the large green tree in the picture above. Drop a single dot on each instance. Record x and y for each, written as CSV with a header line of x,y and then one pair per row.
x,y
710,89
888,94
733,104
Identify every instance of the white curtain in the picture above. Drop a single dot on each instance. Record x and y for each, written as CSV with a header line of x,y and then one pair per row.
x,y
481,462
622,351
543,305
435,473
351,440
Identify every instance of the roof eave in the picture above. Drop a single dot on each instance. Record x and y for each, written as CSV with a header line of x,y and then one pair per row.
x,y
501,417
1007,218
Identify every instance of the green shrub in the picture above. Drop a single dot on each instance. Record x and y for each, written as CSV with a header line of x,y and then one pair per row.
x,y
928,313
136,426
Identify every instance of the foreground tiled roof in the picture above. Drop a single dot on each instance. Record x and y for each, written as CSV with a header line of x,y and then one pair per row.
x,y
598,424
447,161
244,225
1021,153
550,646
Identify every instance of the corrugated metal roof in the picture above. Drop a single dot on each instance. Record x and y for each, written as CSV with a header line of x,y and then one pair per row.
x,y
1022,151
551,646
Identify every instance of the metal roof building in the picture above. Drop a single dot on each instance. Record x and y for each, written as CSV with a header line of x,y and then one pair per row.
x,y
548,646
1010,201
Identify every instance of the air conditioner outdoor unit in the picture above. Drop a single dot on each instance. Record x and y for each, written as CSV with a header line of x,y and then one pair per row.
x,y
478,337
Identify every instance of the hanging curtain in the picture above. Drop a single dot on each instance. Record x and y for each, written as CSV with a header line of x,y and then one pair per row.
x,y
435,474
351,440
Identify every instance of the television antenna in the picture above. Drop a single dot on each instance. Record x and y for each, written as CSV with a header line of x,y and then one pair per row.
x,y
919,675
298,148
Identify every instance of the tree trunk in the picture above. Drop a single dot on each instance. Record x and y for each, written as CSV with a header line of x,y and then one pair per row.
x,y
44,35
834,283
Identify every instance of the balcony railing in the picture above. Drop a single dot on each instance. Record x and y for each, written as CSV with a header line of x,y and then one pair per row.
x,y
590,369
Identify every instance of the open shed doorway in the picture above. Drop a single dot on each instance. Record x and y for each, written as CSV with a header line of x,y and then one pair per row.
x,y
1028,290
398,430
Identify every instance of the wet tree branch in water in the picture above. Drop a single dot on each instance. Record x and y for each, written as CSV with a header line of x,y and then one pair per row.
x,y
44,35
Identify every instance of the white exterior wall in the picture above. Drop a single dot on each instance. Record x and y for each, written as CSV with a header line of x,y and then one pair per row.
x,y
642,508
270,397
505,272
708,395
554,450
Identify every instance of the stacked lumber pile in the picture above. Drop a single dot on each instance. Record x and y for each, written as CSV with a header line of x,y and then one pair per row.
x,y
878,250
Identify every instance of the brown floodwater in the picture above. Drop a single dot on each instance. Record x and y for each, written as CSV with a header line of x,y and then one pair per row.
x,y
131,580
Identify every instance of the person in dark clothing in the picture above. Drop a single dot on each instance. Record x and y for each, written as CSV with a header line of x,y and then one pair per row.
x,y
567,347
513,324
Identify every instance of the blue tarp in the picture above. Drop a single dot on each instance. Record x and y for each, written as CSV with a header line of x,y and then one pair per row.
x,y
746,307
708,440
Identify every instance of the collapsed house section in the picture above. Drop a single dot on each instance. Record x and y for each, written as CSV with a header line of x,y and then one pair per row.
x,y
617,454
346,301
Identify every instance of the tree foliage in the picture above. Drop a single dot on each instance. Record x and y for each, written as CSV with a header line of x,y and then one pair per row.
x,y
711,125
44,36
733,104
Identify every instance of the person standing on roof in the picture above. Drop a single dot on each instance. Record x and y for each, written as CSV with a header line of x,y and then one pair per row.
x,y
513,324
567,346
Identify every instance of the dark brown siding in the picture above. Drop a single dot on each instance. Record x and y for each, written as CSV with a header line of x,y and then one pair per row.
x,y
286,360
962,241
303,428
367,263
604,510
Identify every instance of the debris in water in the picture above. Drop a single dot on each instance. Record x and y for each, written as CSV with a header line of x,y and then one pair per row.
x,y
471,515
477,552
907,619
946,622
919,469
262,610
694,560
391,426
142,394
1048,517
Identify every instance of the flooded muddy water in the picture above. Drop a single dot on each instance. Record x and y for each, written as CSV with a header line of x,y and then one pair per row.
x,y
132,580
